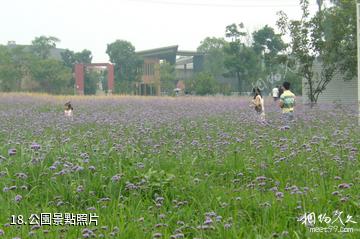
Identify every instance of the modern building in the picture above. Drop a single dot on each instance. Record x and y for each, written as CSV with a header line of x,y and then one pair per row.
x,y
186,63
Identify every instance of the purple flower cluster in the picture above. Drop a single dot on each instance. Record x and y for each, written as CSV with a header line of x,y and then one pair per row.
x,y
158,164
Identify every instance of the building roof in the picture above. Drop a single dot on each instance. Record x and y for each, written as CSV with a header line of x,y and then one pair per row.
x,y
158,52
189,53
168,53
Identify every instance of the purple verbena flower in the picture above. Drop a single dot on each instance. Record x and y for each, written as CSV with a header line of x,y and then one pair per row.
x,y
343,186
35,146
12,152
18,198
279,195
116,178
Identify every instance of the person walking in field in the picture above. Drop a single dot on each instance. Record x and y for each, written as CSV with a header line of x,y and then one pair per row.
x,y
258,104
275,93
287,102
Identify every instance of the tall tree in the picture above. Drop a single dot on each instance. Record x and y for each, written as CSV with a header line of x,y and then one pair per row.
x,y
240,60
309,47
127,63
85,57
42,45
340,34
268,44
272,51
68,58
213,48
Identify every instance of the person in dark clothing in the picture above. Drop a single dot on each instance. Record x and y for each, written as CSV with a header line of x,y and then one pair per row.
x,y
281,90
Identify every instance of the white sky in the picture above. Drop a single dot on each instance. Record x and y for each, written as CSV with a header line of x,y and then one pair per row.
x,y
92,24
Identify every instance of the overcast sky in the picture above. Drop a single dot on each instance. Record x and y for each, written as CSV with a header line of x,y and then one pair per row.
x,y
147,24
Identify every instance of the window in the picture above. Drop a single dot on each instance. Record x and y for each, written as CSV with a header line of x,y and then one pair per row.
x,y
148,69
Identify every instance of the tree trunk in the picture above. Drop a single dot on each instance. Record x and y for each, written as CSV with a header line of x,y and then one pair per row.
x,y
239,82
311,93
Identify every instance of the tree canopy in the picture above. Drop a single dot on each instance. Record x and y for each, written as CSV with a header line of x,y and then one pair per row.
x,y
42,45
127,65
213,48
22,69
240,60
327,39
70,57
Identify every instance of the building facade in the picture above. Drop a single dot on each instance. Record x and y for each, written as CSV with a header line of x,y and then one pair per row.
x,y
186,63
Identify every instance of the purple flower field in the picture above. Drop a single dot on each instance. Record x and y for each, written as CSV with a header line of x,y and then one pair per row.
x,y
186,167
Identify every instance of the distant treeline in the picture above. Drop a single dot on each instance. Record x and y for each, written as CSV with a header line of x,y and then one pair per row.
x,y
236,62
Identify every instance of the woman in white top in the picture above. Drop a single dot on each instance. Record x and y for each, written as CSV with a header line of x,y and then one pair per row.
x,y
258,103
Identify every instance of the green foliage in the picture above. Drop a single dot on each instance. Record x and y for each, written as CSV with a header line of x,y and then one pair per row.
x,y
15,69
53,77
340,36
5,55
167,77
91,82
124,86
121,52
127,63
70,58
240,60
327,39
235,32
42,45
214,55
24,70
309,47
104,80
85,57
203,84
9,75
268,45
224,88
248,63
9,78
269,48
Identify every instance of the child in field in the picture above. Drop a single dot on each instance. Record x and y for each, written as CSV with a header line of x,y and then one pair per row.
x,y
68,110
